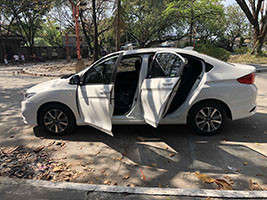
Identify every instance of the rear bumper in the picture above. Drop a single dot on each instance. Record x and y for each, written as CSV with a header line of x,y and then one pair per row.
x,y
244,103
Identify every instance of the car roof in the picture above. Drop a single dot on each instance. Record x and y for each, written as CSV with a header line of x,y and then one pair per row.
x,y
204,57
153,50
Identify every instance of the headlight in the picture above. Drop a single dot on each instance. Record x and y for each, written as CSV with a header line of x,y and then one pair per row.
x,y
28,95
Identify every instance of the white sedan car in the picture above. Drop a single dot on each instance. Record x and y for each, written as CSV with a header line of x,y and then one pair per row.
x,y
146,86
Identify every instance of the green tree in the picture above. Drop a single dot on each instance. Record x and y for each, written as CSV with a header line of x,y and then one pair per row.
x,y
194,11
146,21
28,16
51,32
236,24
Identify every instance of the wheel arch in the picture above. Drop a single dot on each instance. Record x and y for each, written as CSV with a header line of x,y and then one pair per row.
x,y
223,104
53,103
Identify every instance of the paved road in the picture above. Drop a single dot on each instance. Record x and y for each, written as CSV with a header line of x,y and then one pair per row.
x,y
239,151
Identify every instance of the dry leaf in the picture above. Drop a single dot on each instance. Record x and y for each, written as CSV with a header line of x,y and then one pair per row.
x,y
131,185
172,154
229,179
107,182
11,149
204,178
57,169
127,176
209,198
255,186
223,184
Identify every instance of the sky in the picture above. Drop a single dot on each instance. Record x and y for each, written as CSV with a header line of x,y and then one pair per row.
x,y
229,2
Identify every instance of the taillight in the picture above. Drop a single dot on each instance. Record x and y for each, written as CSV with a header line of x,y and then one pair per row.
x,y
248,79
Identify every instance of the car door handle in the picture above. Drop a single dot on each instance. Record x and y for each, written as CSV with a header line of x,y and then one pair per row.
x,y
104,92
166,84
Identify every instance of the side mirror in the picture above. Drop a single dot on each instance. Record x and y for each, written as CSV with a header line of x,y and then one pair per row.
x,y
75,80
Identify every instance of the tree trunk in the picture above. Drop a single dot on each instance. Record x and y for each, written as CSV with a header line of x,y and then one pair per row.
x,y
96,46
85,33
191,34
118,28
255,40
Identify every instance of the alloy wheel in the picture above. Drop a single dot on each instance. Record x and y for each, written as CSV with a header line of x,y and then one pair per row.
x,y
209,119
56,121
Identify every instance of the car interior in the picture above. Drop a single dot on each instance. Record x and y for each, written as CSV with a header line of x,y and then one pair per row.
x,y
191,72
126,84
127,80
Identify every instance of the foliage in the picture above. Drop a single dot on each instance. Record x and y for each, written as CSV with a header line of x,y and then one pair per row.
x,y
236,24
40,42
51,32
256,12
194,12
242,50
145,20
213,51
26,16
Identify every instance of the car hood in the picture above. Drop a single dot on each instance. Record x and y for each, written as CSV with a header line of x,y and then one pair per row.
x,y
49,85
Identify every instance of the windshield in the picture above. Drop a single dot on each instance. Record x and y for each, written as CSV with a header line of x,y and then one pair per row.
x,y
98,61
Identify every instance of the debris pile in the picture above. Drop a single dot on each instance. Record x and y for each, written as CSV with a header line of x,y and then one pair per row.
x,y
27,163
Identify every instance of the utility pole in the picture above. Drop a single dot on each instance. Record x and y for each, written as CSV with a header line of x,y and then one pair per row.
x,y
75,12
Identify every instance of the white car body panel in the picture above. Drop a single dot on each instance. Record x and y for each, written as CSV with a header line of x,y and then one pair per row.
x,y
220,83
95,106
155,94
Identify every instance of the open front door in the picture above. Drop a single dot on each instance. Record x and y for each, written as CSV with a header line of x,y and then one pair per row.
x,y
96,94
160,86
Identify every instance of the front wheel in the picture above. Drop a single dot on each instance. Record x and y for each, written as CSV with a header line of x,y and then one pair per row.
x,y
56,120
207,118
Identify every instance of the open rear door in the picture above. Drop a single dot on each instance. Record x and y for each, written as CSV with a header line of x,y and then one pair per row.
x,y
160,86
96,94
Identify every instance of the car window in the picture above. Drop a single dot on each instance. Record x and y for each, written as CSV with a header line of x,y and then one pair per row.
x,y
101,72
165,65
130,64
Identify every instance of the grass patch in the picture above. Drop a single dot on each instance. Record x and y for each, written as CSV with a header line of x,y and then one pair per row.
x,y
248,58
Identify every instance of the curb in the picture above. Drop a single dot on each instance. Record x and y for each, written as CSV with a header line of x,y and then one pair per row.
x,y
27,71
229,194
261,69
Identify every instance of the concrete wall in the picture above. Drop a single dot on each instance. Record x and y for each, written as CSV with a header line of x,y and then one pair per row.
x,y
46,53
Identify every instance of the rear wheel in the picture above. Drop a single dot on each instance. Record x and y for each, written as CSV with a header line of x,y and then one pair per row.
x,y
207,118
56,119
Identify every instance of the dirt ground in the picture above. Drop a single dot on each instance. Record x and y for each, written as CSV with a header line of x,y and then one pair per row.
x,y
137,155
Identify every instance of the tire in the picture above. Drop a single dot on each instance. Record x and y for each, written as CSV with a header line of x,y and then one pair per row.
x,y
207,118
56,119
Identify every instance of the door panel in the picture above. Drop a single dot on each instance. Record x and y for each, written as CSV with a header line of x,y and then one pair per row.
x,y
95,103
159,88
96,94
155,95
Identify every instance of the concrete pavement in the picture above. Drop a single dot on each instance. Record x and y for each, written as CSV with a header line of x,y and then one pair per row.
x,y
239,151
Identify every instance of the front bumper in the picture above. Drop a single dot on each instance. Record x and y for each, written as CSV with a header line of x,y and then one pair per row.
x,y
29,112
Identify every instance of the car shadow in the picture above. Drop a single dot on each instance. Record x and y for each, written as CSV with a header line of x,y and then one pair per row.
x,y
223,153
